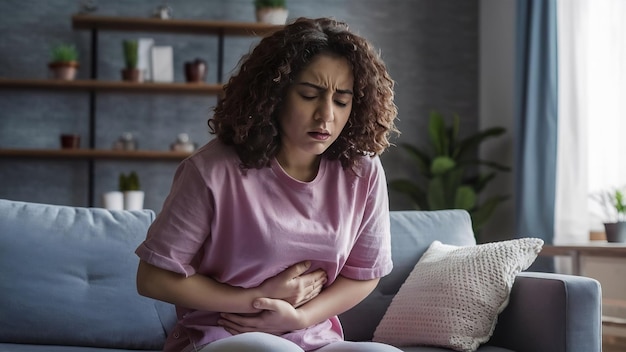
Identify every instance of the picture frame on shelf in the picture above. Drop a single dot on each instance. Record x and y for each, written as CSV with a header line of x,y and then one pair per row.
x,y
162,63
145,62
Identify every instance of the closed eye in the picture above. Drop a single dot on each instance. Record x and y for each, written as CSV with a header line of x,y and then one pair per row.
x,y
308,96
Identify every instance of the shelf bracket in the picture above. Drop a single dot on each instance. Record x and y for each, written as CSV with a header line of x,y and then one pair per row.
x,y
91,174
220,55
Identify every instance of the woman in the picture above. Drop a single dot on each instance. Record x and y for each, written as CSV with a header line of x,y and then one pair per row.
x,y
280,223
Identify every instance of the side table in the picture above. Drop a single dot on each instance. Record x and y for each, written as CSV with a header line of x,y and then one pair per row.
x,y
605,262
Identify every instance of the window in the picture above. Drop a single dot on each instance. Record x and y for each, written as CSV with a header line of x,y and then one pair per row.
x,y
592,111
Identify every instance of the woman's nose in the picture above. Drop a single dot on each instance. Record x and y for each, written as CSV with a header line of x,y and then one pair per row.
x,y
325,111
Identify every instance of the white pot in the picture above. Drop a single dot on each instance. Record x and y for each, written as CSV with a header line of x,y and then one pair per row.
x,y
272,15
133,200
113,200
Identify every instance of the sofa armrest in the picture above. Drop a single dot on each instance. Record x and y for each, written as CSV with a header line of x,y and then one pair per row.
x,y
551,312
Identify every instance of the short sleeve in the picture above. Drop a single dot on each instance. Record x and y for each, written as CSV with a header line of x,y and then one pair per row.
x,y
370,257
183,225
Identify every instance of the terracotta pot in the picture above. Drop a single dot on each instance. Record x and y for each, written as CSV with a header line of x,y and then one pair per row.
x,y
195,71
64,70
132,75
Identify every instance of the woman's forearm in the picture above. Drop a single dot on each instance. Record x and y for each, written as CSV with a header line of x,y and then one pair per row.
x,y
279,317
337,298
194,292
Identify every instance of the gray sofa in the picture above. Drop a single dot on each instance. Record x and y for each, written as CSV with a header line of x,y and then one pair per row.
x,y
68,284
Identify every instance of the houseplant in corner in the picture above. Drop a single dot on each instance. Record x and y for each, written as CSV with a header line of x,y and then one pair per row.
x,y
64,62
130,187
131,72
449,167
271,11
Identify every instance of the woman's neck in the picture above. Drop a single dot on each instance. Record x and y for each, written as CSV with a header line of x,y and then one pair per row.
x,y
301,170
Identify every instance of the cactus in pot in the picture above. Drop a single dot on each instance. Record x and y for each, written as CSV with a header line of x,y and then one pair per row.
x,y
64,62
133,195
131,72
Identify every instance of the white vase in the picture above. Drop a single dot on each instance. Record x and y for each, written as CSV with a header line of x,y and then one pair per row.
x,y
133,200
113,200
272,15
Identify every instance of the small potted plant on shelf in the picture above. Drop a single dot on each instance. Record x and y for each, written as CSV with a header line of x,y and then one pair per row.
x,y
64,62
271,11
133,195
131,72
614,208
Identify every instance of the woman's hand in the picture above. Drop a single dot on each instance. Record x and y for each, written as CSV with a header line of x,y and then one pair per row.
x,y
293,286
277,317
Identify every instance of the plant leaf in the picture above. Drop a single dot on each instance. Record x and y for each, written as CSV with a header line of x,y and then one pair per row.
x,y
491,164
436,194
482,180
472,142
483,212
465,198
441,165
420,157
454,136
437,132
411,190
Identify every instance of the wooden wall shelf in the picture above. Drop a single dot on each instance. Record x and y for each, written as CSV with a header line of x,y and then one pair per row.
x,y
173,25
93,86
93,154
114,86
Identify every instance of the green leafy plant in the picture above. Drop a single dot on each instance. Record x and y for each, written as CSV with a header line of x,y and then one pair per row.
x,y
450,169
619,204
64,53
131,53
612,204
129,182
270,3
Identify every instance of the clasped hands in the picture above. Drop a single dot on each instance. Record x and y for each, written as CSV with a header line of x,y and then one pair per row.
x,y
277,308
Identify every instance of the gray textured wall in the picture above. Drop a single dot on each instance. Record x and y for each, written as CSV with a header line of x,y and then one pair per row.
x,y
430,47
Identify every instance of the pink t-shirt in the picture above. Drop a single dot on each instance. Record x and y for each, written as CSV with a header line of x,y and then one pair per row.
x,y
241,228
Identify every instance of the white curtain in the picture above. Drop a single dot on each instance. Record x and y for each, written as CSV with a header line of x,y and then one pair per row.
x,y
570,218
591,150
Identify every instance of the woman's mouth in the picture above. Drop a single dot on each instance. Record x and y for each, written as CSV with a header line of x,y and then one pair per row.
x,y
320,136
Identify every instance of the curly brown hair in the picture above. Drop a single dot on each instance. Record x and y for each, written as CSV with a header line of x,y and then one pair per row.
x,y
247,115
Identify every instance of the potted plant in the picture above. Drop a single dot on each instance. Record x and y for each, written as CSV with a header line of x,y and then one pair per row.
x,y
131,72
614,207
130,187
271,11
450,171
64,62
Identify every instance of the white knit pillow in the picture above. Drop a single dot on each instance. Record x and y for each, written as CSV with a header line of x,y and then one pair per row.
x,y
453,296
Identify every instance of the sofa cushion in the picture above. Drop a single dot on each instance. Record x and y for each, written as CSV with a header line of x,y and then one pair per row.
x,y
412,232
57,289
454,294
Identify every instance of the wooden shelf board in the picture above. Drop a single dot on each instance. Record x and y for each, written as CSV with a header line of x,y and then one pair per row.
x,y
147,24
603,249
613,321
92,154
114,86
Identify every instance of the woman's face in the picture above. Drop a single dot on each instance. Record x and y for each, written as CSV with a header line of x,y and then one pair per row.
x,y
316,108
